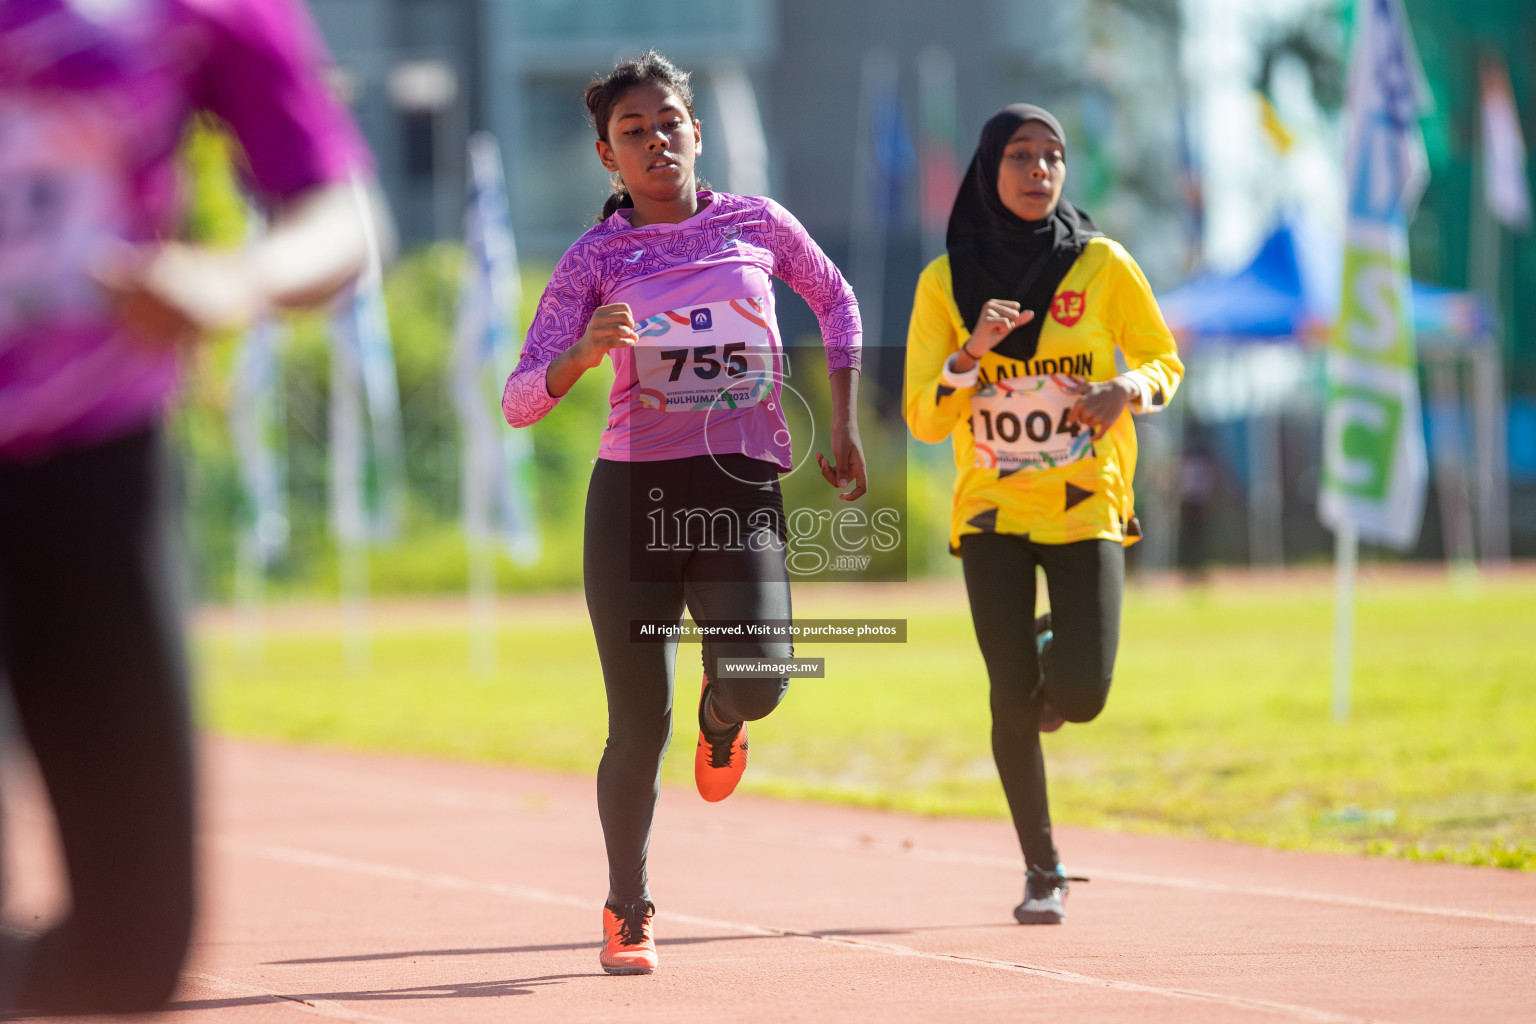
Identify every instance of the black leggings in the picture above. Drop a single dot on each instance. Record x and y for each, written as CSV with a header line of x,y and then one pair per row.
x,y
708,532
91,646
1085,581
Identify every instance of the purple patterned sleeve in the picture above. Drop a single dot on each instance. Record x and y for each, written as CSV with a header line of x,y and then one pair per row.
x,y
565,308
801,264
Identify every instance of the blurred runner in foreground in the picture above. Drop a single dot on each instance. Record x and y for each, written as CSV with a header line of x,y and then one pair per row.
x,y
95,308
1012,352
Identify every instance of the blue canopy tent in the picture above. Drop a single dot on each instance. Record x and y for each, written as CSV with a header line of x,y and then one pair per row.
x,y
1254,336
1290,291
1271,299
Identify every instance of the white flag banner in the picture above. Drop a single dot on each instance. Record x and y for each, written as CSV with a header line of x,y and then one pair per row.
x,y
1374,468
256,423
367,467
741,122
1505,184
498,470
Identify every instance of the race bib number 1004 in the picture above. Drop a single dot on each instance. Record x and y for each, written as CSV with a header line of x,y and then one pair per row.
x,y
718,355
1020,424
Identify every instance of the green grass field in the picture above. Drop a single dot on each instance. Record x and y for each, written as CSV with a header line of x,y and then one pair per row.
x,y
1218,724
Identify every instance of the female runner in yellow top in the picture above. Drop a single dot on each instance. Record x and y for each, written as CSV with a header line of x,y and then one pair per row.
x,y
1012,352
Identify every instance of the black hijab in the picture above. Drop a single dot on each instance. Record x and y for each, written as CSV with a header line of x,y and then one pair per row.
x,y
995,254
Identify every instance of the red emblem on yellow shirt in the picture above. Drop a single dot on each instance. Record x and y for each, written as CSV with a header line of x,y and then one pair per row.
x,y
1067,308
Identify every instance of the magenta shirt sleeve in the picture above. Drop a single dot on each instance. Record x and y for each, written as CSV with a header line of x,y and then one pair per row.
x,y
564,311
262,75
801,264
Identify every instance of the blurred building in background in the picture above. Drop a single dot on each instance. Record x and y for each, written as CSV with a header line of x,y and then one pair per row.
x,y
423,74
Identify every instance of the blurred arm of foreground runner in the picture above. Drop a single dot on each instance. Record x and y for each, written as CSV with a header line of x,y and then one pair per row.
x,y
316,245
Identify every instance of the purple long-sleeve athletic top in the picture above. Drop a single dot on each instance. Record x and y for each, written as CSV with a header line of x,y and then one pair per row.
x,y
707,374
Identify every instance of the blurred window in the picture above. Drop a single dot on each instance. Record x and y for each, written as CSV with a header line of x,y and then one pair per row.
x,y
561,183
609,17
424,92
418,145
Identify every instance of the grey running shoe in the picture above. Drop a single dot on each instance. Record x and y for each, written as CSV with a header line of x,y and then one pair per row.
x,y
1045,895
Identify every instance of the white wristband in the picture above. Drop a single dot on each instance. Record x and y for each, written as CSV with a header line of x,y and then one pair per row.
x,y
955,379
1143,400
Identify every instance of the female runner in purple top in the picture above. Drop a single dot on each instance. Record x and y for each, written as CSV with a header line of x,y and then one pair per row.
x,y
95,306
673,284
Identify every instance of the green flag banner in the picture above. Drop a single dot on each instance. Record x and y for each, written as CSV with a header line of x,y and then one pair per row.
x,y
1373,442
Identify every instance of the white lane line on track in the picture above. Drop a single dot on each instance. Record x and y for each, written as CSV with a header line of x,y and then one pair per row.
x,y
1311,897
316,859
317,1007
943,856
464,799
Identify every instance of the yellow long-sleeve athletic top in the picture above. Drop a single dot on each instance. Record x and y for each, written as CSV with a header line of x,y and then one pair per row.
x,y
1103,303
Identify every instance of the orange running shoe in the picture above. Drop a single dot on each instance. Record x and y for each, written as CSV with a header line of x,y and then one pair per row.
x,y
628,946
718,763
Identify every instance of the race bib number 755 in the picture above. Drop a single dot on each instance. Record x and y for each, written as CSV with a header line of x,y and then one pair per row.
x,y
1020,424
718,355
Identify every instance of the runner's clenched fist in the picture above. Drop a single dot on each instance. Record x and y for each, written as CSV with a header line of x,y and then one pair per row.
x,y
1101,403
996,321
612,326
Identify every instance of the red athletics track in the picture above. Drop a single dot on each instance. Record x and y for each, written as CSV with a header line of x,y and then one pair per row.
x,y
368,888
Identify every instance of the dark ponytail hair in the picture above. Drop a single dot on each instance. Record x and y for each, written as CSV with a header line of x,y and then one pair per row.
x,y
602,94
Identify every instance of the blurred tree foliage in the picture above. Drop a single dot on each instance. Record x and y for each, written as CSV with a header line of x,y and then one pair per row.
x,y
420,294
1316,39
430,556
